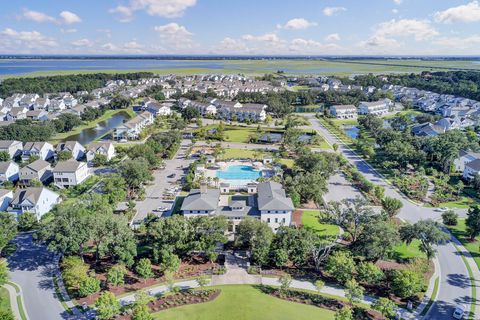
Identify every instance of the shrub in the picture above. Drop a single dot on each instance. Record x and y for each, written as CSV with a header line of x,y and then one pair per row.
x,y
407,283
74,271
369,273
116,275
450,218
89,286
341,266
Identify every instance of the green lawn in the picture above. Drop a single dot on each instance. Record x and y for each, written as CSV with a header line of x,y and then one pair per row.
x,y
237,153
4,299
403,252
343,122
246,303
459,231
310,221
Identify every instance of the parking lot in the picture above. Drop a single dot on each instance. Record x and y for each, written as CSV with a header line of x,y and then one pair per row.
x,y
161,193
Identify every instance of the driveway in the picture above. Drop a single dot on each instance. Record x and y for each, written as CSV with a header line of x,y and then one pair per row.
x,y
32,267
454,286
163,180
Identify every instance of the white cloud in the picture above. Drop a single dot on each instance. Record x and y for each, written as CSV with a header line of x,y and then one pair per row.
x,y
229,45
394,11
332,37
37,16
458,42
68,30
69,17
176,36
398,1
297,24
330,11
381,42
25,41
133,45
469,12
82,43
162,8
304,46
267,37
419,29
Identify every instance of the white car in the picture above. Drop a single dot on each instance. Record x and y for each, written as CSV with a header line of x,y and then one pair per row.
x,y
442,209
459,311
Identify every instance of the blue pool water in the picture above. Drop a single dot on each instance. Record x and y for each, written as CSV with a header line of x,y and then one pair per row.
x,y
239,173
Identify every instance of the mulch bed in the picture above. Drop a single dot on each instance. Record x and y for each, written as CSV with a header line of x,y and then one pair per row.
x,y
191,269
297,218
321,302
182,298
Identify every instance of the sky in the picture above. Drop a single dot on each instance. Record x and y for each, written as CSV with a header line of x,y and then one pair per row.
x,y
240,27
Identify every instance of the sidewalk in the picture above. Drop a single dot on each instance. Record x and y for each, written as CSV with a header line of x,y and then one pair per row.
x,y
12,291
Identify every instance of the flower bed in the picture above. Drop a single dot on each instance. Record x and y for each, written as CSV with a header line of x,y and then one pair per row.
x,y
184,298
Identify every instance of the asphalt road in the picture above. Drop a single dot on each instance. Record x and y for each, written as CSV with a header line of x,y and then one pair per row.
x,y
32,267
455,286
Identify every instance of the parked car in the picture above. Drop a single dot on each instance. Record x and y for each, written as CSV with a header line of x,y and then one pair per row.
x,y
459,311
173,175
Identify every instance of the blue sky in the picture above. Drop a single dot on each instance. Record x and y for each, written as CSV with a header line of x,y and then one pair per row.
x,y
301,27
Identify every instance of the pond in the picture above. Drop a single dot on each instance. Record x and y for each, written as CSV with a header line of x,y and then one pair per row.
x,y
91,134
351,131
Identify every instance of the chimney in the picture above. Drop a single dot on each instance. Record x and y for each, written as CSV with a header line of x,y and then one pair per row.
x,y
203,187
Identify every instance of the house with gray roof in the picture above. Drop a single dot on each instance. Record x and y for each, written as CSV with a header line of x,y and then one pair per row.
x,y
73,147
70,173
9,171
39,170
275,207
12,147
471,170
38,201
465,157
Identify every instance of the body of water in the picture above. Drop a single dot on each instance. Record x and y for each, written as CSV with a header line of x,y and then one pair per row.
x,y
239,174
90,134
26,66
351,131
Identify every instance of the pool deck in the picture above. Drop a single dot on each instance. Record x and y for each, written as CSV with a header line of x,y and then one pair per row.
x,y
210,173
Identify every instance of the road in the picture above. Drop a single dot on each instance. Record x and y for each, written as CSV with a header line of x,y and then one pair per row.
x,y
32,267
161,182
455,286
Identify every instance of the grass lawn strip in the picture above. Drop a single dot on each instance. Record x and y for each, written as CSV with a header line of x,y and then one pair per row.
x,y
310,221
245,302
60,296
432,297
4,299
19,300
472,282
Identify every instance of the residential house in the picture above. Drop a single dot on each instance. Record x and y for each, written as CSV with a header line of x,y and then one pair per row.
x,y
275,207
41,103
9,171
131,129
37,200
427,129
74,147
471,170
39,170
43,150
344,111
103,148
6,197
465,157
201,202
70,173
12,147
37,115
17,113
159,109
377,108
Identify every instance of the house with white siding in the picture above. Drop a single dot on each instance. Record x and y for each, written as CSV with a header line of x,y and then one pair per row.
x,y
377,108
348,111
73,147
12,147
131,129
43,150
103,148
39,170
6,197
9,171
70,173
38,200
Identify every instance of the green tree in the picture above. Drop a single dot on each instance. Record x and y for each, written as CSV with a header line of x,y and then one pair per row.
x,y
341,266
385,306
450,218
256,236
202,281
100,160
473,222
74,271
279,257
4,156
27,221
6,314
107,306
169,261
141,312
190,113
377,239
319,284
428,232
369,273
344,314
285,282
88,286
392,206
8,229
116,275
353,291
407,283
3,273
144,268
64,155
136,173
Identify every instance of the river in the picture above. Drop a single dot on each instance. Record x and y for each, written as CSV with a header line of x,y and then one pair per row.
x,y
90,134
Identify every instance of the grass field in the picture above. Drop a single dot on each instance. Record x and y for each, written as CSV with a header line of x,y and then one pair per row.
x,y
245,303
257,67
404,252
236,153
4,299
108,114
459,231
310,221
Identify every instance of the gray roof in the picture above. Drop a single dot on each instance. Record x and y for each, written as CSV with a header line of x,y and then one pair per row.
x,y
201,201
6,143
68,166
67,146
4,165
475,155
38,165
271,196
31,194
4,192
474,165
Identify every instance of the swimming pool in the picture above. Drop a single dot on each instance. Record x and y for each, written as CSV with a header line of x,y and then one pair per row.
x,y
239,174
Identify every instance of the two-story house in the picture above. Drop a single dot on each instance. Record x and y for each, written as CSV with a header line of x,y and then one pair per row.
x,y
348,111
9,171
43,150
131,129
12,147
377,107
73,147
38,200
275,207
6,197
39,170
104,148
70,173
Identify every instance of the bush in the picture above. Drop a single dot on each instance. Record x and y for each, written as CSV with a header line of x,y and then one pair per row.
x,y
253,270
369,273
89,286
74,271
450,218
407,283
27,221
341,266
116,275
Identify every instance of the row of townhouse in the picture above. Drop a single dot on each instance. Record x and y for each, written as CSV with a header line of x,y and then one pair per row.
x,y
350,111
131,129
228,110
36,200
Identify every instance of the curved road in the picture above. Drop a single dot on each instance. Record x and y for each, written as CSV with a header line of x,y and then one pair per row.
x,y
32,267
455,286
